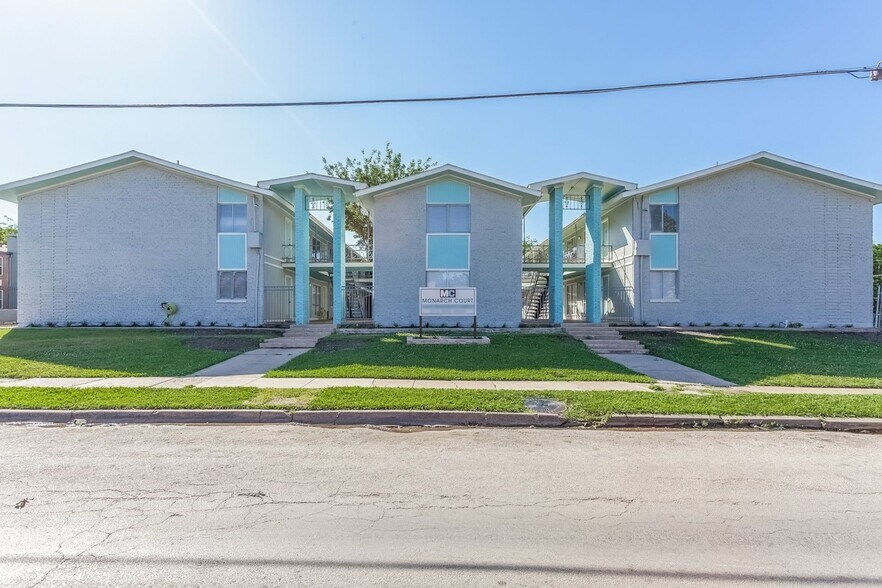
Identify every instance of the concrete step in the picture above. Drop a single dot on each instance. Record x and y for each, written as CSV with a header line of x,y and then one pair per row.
x,y
614,346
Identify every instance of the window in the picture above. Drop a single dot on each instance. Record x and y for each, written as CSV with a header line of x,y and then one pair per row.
x,y
447,279
664,255
1,266
231,251
664,237
232,218
232,245
664,212
232,285
663,286
448,218
447,252
664,218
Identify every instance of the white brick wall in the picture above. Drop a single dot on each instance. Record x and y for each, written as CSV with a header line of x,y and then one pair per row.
x,y
112,248
761,246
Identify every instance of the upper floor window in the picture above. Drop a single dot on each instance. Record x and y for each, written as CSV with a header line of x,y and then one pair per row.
x,y
664,212
448,218
232,245
232,218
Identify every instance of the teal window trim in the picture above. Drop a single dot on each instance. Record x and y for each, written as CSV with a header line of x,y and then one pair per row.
x,y
225,237
228,196
448,192
656,261
468,247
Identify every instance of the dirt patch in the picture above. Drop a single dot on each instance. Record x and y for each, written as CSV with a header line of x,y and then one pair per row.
x,y
329,345
227,343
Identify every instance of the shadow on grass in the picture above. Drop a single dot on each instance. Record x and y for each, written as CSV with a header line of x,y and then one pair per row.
x,y
508,357
782,358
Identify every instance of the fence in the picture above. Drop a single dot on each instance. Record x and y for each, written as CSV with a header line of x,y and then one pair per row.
x,y
278,304
9,298
619,305
877,308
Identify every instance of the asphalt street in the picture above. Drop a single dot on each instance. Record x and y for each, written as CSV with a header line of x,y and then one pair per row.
x,y
286,505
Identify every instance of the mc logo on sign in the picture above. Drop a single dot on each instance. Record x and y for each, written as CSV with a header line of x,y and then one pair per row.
x,y
447,293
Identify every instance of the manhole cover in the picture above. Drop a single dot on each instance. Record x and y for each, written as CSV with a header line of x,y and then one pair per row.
x,y
546,405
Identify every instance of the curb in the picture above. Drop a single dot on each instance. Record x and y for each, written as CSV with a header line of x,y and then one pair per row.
x,y
429,418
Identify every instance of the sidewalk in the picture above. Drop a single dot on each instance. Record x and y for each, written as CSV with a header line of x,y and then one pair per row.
x,y
258,381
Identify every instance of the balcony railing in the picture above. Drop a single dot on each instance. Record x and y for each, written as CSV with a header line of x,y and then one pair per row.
x,y
573,254
359,254
362,254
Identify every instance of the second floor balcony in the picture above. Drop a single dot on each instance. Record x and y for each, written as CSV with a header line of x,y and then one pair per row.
x,y
539,254
325,254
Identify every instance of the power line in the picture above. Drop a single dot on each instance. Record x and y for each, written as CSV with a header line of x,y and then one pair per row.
x,y
462,98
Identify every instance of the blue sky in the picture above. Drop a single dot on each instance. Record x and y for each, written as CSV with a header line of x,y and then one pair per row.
x,y
111,50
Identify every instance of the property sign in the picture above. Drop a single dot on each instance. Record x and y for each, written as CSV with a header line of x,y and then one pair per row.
x,y
448,301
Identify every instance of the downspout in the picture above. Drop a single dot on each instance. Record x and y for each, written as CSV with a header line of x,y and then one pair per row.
x,y
640,259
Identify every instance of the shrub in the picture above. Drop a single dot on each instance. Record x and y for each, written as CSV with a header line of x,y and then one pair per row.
x,y
68,324
707,324
691,324
198,323
794,325
50,324
103,323
724,324
212,323
676,324
183,324
739,325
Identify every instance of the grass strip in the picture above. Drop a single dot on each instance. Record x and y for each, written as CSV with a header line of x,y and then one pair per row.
x,y
592,405
580,405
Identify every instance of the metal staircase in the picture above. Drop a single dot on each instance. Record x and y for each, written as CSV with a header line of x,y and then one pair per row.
x,y
535,297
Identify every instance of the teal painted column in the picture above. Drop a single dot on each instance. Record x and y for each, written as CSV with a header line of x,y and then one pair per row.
x,y
555,255
339,257
593,288
301,258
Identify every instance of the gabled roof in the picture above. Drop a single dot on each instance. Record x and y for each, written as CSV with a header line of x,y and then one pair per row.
x,y
312,183
869,190
527,195
579,183
14,190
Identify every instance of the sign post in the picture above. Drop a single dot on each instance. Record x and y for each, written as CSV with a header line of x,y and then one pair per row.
x,y
449,302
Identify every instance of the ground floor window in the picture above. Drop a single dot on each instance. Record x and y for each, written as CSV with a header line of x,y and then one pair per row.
x,y
664,286
447,279
232,285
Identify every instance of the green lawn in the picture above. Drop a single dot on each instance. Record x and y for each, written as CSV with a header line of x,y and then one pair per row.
x,y
580,405
108,352
508,357
774,358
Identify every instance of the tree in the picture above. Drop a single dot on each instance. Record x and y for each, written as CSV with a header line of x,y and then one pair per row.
x,y
7,230
374,168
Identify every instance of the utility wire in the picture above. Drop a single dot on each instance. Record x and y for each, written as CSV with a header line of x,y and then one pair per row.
x,y
462,98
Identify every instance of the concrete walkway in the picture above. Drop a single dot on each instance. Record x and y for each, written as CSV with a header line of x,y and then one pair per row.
x,y
666,370
258,381
252,363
